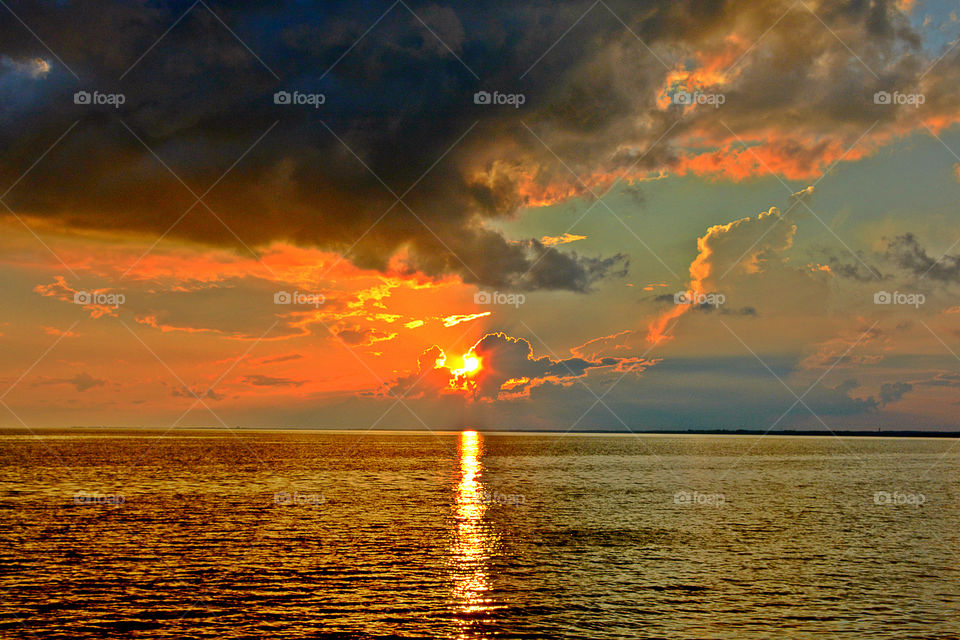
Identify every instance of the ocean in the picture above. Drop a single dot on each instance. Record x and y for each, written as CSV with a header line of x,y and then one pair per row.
x,y
313,534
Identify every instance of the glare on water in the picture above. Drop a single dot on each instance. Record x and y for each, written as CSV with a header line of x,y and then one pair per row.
x,y
474,542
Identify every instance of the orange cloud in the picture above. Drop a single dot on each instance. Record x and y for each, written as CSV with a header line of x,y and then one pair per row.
x,y
454,320
792,158
98,302
711,69
566,238
53,331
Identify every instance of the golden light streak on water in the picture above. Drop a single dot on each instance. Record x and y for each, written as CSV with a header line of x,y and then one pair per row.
x,y
474,541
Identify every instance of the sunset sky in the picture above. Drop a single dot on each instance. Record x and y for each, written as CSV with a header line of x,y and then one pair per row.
x,y
311,215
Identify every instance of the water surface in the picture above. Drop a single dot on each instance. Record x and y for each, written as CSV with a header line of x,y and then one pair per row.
x,y
350,535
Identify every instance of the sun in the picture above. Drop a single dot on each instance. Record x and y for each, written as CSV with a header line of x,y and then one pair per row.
x,y
463,379
470,363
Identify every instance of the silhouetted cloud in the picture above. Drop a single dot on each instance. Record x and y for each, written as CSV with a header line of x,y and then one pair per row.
x,y
507,365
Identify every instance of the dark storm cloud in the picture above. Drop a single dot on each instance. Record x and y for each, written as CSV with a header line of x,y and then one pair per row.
x,y
400,98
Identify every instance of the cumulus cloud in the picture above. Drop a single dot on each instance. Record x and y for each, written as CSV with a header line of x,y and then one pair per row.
x,y
506,358
507,368
745,258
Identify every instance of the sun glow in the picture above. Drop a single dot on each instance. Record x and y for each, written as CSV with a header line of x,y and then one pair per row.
x,y
465,378
471,363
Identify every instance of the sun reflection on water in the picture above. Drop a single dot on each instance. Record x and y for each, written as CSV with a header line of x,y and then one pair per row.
x,y
474,541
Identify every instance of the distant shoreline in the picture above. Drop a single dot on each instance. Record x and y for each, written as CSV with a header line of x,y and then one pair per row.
x,y
893,433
